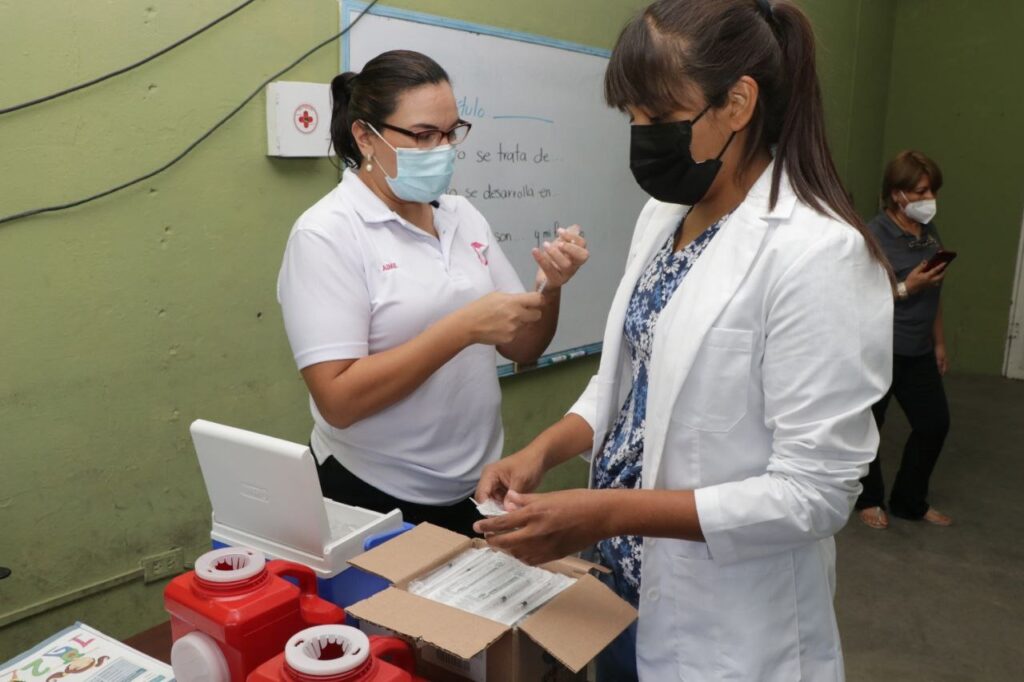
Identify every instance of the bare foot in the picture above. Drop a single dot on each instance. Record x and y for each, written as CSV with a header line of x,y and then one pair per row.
x,y
874,517
935,517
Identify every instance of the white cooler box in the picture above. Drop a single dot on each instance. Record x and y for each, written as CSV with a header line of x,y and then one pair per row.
x,y
266,496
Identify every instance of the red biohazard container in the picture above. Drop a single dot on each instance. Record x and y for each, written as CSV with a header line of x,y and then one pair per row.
x,y
236,610
339,653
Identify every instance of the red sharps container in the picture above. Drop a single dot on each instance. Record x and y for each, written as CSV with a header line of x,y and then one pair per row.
x,y
236,610
338,653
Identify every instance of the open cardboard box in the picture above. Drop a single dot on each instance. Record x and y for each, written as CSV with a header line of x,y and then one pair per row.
x,y
554,643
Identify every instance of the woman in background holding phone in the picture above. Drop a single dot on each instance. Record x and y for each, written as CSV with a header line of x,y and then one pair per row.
x,y
905,230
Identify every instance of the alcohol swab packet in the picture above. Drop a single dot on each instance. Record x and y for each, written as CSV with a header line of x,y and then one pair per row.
x,y
489,508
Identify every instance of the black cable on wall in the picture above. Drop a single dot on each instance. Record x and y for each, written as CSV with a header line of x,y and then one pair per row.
x,y
124,185
126,69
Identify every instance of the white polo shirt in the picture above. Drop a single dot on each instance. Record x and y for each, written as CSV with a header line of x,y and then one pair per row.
x,y
358,279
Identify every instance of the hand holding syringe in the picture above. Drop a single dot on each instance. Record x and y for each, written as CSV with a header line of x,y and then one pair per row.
x,y
560,259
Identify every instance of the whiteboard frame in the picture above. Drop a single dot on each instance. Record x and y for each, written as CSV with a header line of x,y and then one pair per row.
x,y
349,6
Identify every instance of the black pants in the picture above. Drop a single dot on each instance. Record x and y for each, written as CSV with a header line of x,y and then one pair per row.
x,y
917,385
341,485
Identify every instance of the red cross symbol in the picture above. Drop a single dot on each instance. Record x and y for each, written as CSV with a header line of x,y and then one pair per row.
x,y
305,118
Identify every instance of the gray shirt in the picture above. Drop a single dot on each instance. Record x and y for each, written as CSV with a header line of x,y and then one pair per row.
x,y
914,318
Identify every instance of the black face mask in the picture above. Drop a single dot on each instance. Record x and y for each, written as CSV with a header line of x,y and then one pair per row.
x,y
660,158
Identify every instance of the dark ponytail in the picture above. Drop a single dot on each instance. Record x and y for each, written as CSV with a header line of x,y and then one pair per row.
x,y
802,143
341,127
372,95
712,43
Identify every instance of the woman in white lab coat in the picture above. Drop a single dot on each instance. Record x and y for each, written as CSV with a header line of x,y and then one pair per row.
x,y
730,421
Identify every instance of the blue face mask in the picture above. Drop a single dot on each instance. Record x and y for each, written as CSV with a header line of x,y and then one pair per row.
x,y
422,174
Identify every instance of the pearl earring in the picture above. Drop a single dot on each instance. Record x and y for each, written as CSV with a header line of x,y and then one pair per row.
x,y
369,164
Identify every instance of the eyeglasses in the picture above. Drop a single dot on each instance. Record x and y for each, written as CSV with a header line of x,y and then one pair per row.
x,y
428,139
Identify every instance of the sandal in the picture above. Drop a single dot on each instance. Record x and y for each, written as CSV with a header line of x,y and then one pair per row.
x,y
937,518
874,517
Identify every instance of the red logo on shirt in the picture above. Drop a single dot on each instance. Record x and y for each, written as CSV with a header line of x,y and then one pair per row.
x,y
390,266
480,248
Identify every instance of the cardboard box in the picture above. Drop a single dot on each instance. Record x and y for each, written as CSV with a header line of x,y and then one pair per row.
x,y
554,643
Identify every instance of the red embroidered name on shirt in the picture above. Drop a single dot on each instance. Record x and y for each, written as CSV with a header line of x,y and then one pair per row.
x,y
390,266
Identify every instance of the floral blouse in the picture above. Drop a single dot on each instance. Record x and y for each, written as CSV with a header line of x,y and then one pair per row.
x,y
620,461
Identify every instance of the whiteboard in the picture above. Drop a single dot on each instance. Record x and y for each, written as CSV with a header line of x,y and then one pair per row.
x,y
545,151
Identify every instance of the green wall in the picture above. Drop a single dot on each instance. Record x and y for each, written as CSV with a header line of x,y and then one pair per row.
x,y
955,95
126,319
854,45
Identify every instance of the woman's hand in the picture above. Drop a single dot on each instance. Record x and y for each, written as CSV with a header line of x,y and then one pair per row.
x,y
497,318
941,359
541,528
920,279
521,471
559,260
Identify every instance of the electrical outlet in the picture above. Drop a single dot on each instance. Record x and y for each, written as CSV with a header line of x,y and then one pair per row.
x,y
164,565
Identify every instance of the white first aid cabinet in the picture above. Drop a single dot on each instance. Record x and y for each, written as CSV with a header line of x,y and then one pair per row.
x,y
298,119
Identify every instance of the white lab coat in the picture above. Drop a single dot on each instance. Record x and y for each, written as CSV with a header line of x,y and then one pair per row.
x,y
764,368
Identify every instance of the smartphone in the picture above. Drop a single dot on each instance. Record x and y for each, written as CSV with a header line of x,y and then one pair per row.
x,y
939,258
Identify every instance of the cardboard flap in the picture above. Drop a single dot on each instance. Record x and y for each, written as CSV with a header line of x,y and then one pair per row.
x,y
411,553
578,623
457,632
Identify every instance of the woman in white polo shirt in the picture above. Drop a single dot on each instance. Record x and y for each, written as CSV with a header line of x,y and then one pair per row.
x,y
395,296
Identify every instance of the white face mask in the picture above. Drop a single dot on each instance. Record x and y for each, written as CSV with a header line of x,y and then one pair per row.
x,y
922,211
